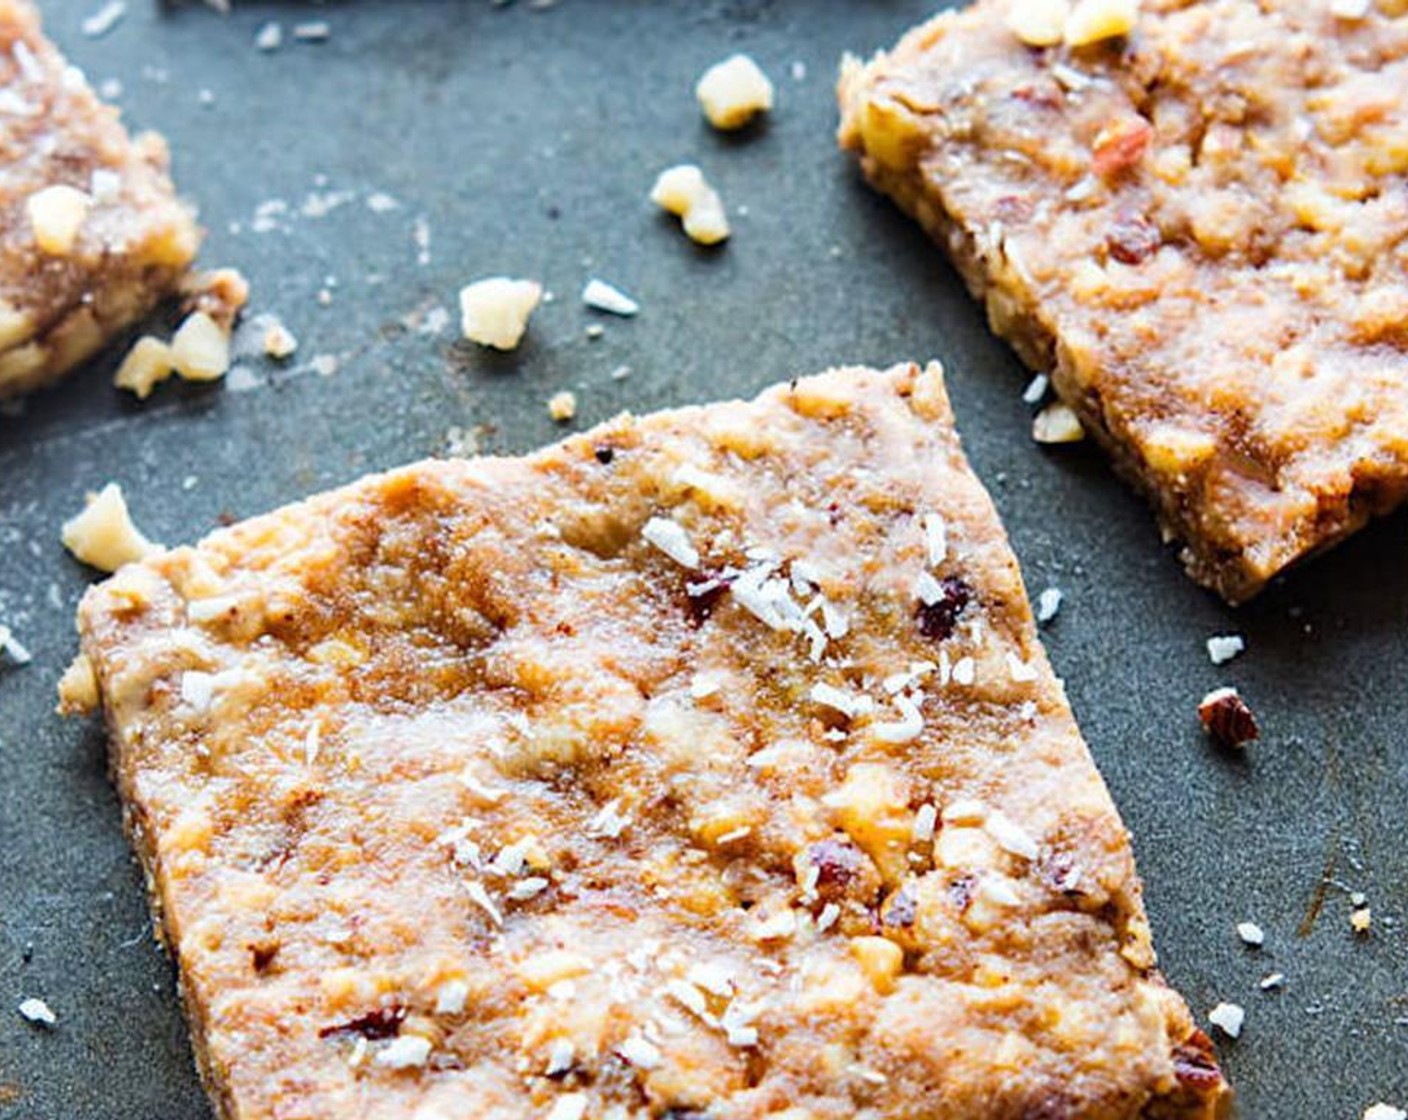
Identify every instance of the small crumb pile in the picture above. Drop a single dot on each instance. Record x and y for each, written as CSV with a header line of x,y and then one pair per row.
x,y
494,312
733,92
684,192
200,348
563,406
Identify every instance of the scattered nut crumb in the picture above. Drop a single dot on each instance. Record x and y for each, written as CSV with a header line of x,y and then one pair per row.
x,y
562,406
37,1011
605,297
324,365
103,535
104,19
1048,603
683,191
1272,980
56,214
220,292
1228,1018
279,342
200,348
1251,934
1224,647
147,363
269,37
1361,916
78,688
1384,1112
595,331
494,312
1036,389
1057,423
11,648
1226,717
733,92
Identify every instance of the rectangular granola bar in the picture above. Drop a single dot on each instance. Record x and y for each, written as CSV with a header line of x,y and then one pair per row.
x,y
706,764
1192,215
91,232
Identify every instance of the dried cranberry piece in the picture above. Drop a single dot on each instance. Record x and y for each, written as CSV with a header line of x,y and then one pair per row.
x,y
1227,718
379,1023
837,865
705,594
937,619
1133,239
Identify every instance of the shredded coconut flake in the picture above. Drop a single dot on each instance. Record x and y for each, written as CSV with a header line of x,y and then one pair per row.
x,y
1251,933
1048,603
1021,670
830,914
925,821
476,891
606,297
670,538
37,1011
407,1051
1036,389
1228,1017
1224,647
964,671
609,822
848,704
904,730
935,539
1384,1112
452,997
561,1055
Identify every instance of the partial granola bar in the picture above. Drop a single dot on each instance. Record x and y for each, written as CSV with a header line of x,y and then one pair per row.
x,y
705,764
1192,215
91,233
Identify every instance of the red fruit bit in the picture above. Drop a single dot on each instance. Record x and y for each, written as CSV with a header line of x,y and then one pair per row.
x,y
379,1023
1194,1064
1120,145
1133,239
937,619
837,863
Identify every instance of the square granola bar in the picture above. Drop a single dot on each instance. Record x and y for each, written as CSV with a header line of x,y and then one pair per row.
x,y
706,764
1193,216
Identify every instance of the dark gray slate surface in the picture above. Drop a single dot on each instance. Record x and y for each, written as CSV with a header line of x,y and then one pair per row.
x,y
528,140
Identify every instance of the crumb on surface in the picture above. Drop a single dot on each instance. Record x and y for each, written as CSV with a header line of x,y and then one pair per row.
x,y
1222,648
279,342
11,648
103,536
1057,423
683,191
200,348
38,1012
1383,1111
562,406
494,312
1228,1018
606,297
733,92
1048,604
1226,717
146,364
1251,934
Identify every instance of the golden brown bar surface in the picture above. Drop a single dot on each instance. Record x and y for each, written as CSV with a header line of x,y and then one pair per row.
x,y
706,764
91,232
1197,229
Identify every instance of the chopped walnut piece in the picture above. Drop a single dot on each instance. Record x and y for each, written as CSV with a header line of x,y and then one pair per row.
x,y
1227,718
494,312
1039,23
1120,145
1057,423
78,688
103,535
221,293
562,406
56,214
733,92
200,348
279,342
683,191
147,363
1094,21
